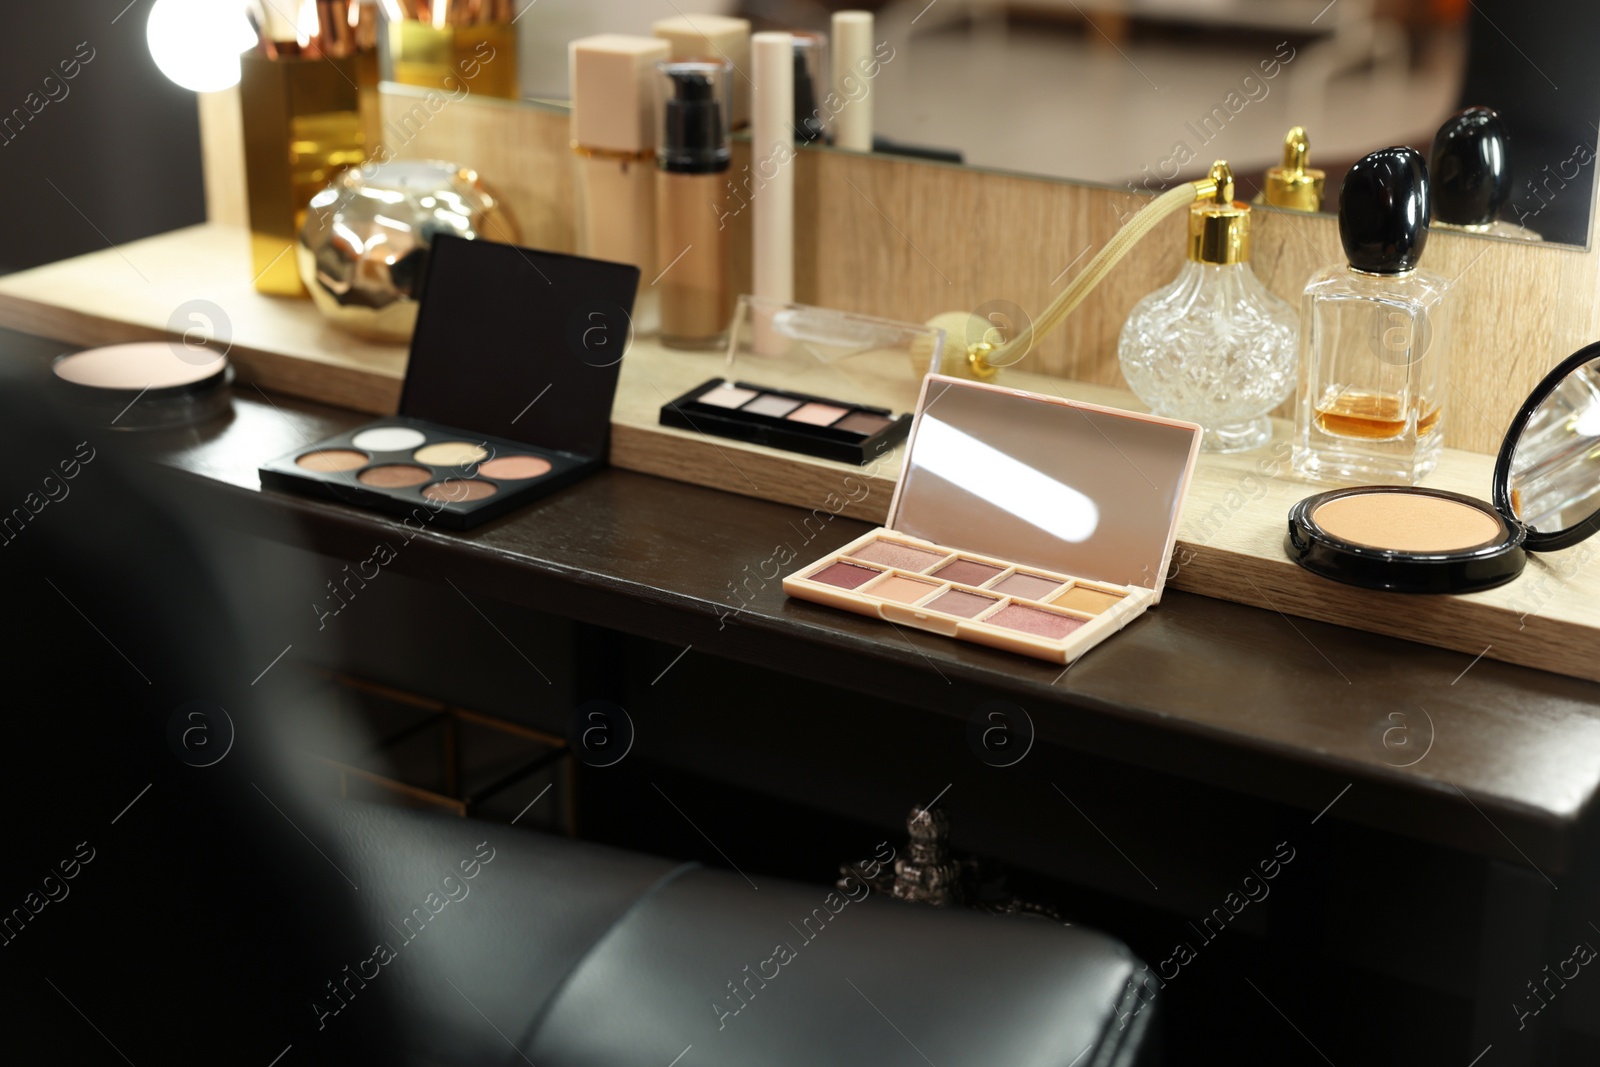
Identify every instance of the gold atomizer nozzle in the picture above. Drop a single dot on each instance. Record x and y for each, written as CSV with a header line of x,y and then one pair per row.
x,y
1219,226
1295,185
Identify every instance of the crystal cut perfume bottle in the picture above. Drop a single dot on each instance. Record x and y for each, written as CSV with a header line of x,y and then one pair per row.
x,y
1214,346
1375,337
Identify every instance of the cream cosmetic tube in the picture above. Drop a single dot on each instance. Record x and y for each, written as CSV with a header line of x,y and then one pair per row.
x,y
772,159
852,54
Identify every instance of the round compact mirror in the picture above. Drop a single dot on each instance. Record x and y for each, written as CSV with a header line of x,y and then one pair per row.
x,y
1548,471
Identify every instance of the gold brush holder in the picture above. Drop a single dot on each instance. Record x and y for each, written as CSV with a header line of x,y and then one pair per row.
x,y
481,57
302,125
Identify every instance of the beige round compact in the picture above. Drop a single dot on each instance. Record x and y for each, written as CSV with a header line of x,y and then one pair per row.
x,y
147,385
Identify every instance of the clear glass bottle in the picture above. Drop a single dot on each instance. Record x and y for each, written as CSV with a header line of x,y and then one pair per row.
x,y
1376,334
1214,347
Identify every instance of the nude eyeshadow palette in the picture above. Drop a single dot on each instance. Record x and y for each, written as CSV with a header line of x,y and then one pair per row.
x,y
794,422
1024,522
403,465
523,347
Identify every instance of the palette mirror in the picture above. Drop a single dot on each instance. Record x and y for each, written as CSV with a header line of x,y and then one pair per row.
x,y
1550,466
1143,94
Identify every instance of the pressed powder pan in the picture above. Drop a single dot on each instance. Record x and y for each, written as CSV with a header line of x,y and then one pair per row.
x,y
1546,493
148,385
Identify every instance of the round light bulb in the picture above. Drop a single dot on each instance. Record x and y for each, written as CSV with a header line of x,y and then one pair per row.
x,y
197,43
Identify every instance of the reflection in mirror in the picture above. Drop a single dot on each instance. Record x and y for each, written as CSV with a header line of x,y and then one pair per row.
x,y
1073,489
1145,94
1555,470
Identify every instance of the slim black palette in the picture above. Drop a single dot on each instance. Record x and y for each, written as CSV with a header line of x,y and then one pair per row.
x,y
522,346
794,422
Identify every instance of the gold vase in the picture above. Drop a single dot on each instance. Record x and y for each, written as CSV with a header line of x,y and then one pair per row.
x,y
302,126
481,57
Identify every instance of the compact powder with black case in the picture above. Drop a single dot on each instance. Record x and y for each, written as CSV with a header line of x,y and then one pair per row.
x,y
507,395
150,385
1545,492
794,422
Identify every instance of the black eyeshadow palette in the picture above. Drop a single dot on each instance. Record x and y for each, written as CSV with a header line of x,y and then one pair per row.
x,y
507,396
794,422
433,474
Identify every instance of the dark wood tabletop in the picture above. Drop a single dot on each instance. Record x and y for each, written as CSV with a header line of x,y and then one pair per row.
x,y
1492,759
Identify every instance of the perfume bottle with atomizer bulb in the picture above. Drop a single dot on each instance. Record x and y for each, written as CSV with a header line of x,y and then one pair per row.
x,y
1215,346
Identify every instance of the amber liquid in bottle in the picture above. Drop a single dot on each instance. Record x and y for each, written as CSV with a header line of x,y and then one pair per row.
x,y
1373,417
1373,355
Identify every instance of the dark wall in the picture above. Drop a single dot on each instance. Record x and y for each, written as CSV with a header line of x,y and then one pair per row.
x,y
105,157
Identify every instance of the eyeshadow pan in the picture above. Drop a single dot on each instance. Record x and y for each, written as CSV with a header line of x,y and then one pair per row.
x,y
818,414
1027,585
389,438
332,459
515,468
1033,621
864,423
969,572
1407,522
1088,601
902,590
727,395
460,490
394,476
958,602
776,406
894,554
451,454
845,575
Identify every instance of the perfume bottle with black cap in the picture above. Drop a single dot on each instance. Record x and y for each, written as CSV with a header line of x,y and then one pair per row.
x,y
1471,170
1375,336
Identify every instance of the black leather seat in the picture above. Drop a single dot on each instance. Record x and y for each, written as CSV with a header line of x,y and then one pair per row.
x,y
571,954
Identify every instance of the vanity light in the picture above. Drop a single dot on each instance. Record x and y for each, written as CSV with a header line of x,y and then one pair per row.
x,y
197,43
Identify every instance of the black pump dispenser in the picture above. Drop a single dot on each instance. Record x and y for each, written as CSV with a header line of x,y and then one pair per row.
x,y
694,139
1471,168
1384,209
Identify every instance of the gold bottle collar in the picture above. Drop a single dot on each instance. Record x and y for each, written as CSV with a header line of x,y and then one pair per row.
x,y
1219,227
1295,185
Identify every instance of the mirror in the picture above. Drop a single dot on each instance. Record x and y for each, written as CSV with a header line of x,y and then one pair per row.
x,y
1144,94
1554,465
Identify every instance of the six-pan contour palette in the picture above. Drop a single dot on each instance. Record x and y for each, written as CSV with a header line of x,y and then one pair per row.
x,y
978,598
404,465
